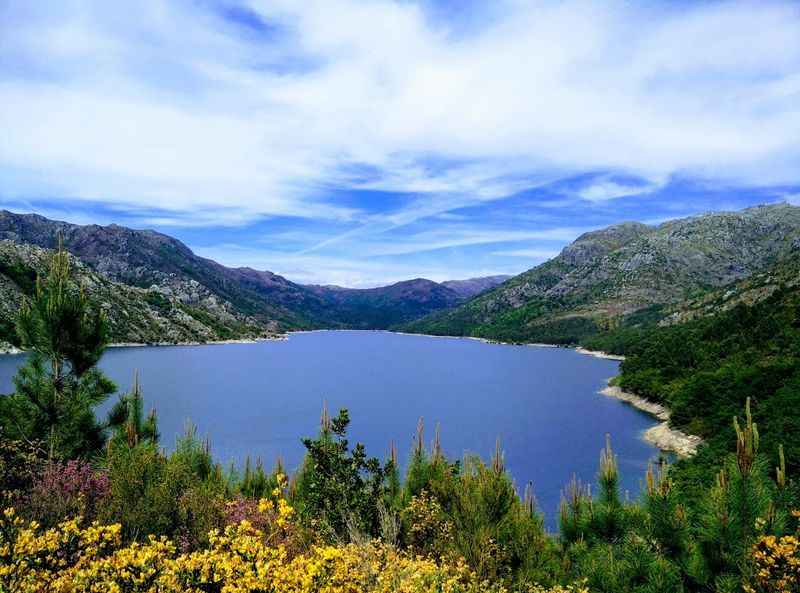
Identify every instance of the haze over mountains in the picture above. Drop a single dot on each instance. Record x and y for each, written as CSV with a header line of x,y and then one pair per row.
x,y
156,289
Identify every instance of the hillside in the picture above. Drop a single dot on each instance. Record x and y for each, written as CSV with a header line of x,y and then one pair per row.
x,y
607,277
473,286
141,315
156,264
387,306
143,258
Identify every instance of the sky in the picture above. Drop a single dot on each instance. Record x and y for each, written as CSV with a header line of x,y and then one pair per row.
x,y
364,142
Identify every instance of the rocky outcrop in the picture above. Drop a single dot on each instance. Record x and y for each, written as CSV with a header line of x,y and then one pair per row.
x,y
181,311
606,275
662,435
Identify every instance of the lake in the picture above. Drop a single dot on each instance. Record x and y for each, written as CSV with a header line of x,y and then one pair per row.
x,y
261,398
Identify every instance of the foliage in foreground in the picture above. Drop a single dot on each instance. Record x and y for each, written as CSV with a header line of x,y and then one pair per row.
x,y
70,557
130,517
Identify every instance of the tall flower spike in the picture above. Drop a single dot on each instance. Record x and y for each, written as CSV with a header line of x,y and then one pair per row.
x,y
529,500
722,480
780,471
393,453
325,418
497,459
657,481
746,441
608,462
436,450
650,479
419,447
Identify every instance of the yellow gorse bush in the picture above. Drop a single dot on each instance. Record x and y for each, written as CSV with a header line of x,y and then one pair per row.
x,y
777,565
71,559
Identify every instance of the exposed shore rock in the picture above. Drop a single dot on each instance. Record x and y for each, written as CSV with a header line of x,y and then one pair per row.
x,y
662,435
6,348
599,353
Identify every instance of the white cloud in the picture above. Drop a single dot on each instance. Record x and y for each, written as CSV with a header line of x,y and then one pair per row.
x,y
453,237
345,271
604,190
175,118
533,254
173,108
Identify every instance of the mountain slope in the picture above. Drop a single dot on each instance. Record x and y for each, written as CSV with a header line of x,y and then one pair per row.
x,y
156,262
705,367
608,275
473,286
387,306
145,258
141,315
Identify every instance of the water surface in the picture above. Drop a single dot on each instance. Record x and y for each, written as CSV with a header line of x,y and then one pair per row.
x,y
261,398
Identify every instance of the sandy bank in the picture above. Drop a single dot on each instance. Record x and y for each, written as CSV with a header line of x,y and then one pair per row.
x,y
661,435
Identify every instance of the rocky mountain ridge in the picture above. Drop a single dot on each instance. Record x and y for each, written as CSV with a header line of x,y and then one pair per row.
x,y
138,315
607,275
237,302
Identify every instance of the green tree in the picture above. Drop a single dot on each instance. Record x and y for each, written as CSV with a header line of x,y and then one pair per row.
x,y
59,386
128,421
340,489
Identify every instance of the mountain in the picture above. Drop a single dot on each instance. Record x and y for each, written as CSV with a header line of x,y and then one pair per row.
x,y
141,315
387,306
473,286
625,271
259,301
144,258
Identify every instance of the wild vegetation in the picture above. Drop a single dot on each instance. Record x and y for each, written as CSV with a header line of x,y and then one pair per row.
x,y
705,370
97,505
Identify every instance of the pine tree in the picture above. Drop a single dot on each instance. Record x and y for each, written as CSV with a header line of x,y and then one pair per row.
x,y
128,421
737,508
59,386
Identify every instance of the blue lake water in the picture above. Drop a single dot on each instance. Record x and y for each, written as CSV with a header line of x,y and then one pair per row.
x,y
261,398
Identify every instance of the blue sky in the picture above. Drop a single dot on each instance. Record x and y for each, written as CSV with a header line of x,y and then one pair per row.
x,y
361,143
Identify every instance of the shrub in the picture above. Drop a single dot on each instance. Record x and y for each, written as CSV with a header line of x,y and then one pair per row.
x,y
239,559
64,490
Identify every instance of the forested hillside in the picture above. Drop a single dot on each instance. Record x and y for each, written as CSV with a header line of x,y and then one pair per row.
x,y
141,315
618,275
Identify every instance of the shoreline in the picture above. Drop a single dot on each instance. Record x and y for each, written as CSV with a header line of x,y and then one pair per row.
x,y
276,338
662,435
8,349
599,353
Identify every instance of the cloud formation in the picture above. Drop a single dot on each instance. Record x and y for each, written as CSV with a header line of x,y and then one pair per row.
x,y
223,113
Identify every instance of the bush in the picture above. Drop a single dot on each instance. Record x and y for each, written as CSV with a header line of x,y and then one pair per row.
x,y
64,490
70,557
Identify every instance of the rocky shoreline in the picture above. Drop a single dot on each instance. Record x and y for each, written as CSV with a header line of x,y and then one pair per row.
x,y
208,343
9,349
6,348
661,435
599,353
